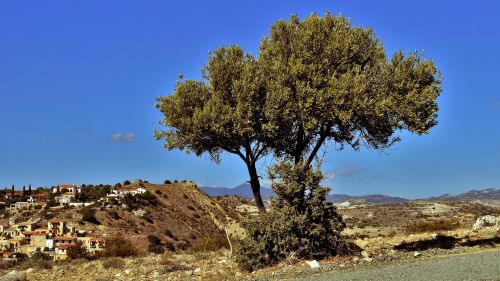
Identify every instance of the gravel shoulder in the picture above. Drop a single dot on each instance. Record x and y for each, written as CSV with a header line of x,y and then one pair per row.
x,y
484,265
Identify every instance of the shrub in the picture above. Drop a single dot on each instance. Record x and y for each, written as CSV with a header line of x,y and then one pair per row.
x,y
168,233
38,260
167,182
88,216
4,265
158,192
169,246
431,225
113,263
301,223
119,246
113,214
210,243
182,245
155,245
169,265
77,252
126,182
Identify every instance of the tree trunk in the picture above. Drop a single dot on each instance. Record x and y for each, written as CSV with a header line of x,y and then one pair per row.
x,y
255,185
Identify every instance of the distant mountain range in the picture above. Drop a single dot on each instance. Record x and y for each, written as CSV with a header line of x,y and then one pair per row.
x,y
374,199
244,190
482,195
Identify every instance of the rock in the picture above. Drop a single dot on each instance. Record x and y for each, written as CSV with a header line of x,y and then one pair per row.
x,y
344,205
355,259
29,270
365,254
368,259
127,271
197,271
417,254
15,275
484,221
313,264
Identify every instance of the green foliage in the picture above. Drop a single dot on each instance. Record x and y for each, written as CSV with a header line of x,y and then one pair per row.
x,y
78,251
135,201
328,80
315,80
89,216
93,193
301,223
118,246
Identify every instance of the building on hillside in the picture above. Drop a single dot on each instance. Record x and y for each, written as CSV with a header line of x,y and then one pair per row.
x,y
56,227
122,191
38,240
65,198
25,226
3,227
66,188
16,194
20,206
38,197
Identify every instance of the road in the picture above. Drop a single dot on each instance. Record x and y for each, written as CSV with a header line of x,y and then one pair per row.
x,y
472,266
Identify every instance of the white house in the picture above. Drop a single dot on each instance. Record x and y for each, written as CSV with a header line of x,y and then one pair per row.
x,y
67,188
132,190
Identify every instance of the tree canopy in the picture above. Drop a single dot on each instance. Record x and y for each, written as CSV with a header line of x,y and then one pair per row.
x,y
314,80
327,80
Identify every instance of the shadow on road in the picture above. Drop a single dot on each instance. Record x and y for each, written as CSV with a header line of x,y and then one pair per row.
x,y
445,242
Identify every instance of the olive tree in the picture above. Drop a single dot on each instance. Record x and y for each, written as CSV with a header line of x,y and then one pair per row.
x,y
327,80
220,113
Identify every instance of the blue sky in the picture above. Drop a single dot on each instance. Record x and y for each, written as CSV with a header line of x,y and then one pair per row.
x,y
78,81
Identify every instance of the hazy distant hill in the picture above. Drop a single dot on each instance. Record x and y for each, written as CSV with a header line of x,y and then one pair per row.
x,y
374,199
482,195
242,190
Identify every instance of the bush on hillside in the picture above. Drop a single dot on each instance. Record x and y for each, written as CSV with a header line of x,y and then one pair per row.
x,y
210,243
301,223
89,216
431,226
78,251
155,245
38,260
119,246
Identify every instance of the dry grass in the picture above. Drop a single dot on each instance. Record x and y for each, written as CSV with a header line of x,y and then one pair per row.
x,y
420,226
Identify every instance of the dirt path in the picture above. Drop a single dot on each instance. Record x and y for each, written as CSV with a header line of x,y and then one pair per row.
x,y
474,266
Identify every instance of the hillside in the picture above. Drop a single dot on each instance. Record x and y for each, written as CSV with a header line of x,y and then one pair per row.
x,y
244,191
182,214
481,195
373,199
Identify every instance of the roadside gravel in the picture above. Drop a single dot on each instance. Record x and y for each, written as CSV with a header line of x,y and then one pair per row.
x,y
472,266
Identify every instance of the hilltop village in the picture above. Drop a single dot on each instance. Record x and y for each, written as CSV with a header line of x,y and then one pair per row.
x,y
25,234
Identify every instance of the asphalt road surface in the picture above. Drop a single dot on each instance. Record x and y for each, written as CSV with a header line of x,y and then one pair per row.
x,y
472,266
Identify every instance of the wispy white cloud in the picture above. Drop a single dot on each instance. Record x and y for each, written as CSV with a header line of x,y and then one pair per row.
x,y
348,171
123,137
